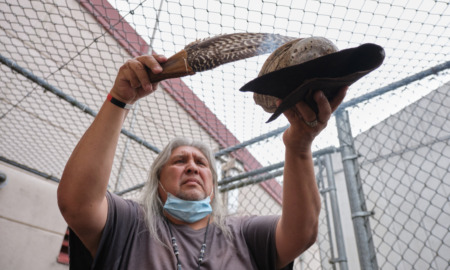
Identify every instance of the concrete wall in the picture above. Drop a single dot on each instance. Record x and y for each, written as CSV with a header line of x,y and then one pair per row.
x,y
32,228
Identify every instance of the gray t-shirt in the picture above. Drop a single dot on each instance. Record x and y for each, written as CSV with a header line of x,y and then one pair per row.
x,y
126,243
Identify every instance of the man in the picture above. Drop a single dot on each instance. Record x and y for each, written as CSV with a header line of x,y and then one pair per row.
x,y
179,224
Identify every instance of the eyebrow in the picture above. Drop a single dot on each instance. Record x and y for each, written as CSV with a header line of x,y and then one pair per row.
x,y
196,156
202,159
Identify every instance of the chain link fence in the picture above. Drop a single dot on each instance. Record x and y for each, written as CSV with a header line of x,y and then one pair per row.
x,y
404,167
382,164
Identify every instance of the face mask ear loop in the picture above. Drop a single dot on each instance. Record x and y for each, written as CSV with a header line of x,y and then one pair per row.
x,y
212,192
159,182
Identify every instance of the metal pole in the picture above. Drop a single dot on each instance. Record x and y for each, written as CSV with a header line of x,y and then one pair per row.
x,y
231,179
392,86
323,191
250,181
340,244
54,90
252,141
360,215
29,169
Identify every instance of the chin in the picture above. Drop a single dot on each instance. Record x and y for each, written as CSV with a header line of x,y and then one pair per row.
x,y
191,195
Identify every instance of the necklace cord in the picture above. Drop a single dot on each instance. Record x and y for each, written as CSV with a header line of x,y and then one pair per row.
x,y
175,246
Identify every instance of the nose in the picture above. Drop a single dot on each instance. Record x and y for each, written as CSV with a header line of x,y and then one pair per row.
x,y
191,167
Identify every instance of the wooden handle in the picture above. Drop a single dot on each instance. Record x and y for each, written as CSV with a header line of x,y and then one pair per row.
x,y
175,67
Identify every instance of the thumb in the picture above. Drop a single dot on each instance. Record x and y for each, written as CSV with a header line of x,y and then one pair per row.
x,y
290,114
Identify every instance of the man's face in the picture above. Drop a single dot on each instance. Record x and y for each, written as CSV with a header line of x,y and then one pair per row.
x,y
187,175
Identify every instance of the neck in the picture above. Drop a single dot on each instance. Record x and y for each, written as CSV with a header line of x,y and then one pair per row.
x,y
202,223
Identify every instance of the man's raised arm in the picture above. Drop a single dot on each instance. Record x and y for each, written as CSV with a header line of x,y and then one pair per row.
x,y
298,225
81,192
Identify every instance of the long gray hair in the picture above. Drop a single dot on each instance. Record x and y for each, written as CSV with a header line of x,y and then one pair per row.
x,y
151,201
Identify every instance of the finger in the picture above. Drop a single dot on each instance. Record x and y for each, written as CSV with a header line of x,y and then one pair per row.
x,y
148,61
323,105
290,114
131,75
152,62
305,111
140,72
160,58
337,100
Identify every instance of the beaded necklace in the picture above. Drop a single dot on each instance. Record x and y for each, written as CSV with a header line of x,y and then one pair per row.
x,y
175,246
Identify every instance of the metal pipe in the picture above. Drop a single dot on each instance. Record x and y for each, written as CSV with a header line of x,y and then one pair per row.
x,y
226,186
323,191
28,169
418,76
364,240
338,232
251,141
228,180
29,75
251,181
41,82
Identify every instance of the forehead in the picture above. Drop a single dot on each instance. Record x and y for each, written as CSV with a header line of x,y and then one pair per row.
x,y
187,151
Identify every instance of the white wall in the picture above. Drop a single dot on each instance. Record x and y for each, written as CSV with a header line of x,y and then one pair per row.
x,y
32,228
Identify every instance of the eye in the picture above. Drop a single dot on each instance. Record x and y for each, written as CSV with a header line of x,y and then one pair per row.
x,y
178,161
201,162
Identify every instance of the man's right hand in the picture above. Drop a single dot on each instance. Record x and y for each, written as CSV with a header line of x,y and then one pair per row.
x,y
132,81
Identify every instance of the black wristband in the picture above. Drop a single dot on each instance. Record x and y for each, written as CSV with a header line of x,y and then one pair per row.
x,y
119,103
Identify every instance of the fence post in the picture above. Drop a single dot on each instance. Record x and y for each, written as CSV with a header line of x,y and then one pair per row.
x,y
342,257
323,191
360,215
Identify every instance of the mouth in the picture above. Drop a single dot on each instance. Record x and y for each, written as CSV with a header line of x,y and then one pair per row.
x,y
192,181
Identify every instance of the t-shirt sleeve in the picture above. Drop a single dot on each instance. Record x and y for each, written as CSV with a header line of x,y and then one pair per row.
x,y
122,216
259,233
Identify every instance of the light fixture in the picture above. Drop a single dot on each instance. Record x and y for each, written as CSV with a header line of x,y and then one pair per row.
x,y
3,179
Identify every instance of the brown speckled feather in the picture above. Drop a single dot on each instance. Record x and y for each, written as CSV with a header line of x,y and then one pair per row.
x,y
212,52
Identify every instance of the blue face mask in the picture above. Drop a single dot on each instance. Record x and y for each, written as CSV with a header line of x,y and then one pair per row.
x,y
187,211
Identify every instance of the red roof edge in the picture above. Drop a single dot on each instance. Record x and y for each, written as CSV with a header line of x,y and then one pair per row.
x,y
117,26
